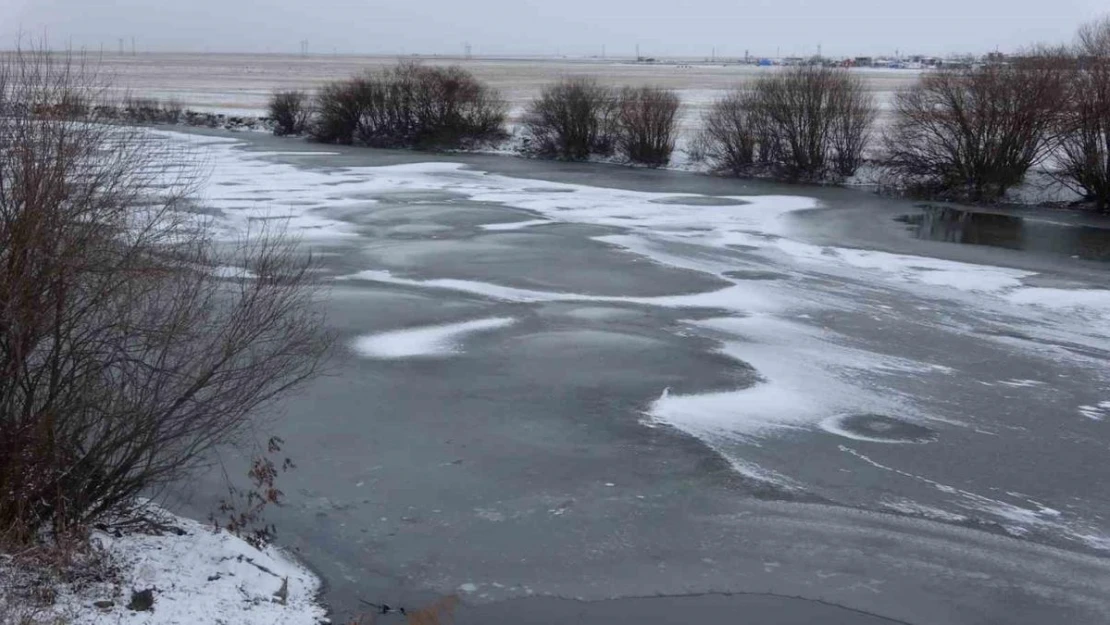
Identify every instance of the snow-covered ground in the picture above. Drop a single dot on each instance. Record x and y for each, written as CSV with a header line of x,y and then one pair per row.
x,y
199,576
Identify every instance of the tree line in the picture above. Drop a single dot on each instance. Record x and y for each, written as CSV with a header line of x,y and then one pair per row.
x,y
965,133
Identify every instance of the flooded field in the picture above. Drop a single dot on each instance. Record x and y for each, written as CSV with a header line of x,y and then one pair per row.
x,y
242,83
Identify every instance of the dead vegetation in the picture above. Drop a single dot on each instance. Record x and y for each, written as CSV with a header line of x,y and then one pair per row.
x,y
573,119
646,125
1082,156
290,111
125,354
973,133
409,106
802,124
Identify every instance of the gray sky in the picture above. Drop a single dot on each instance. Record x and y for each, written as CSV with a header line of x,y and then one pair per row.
x,y
570,27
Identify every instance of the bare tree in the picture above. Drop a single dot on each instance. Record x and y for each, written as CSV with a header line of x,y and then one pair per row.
x,y
128,348
572,119
337,111
804,123
730,134
646,123
973,133
410,105
817,121
290,111
1093,38
852,114
1082,160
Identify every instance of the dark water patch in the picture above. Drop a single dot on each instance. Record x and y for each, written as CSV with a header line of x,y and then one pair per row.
x,y
698,200
878,428
547,190
416,197
1016,232
754,275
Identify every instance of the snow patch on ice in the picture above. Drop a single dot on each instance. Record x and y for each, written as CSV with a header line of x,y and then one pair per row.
x,y
737,298
515,225
1096,301
805,377
1021,383
429,341
1096,412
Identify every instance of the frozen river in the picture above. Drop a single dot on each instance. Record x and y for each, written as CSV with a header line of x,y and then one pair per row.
x,y
593,382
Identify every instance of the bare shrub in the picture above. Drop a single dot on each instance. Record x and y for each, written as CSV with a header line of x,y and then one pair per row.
x,y
1082,159
646,125
126,353
337,113
731,134
816,120
973,133
852,112
804,123
242,511
290,112
572,119
452,107
149,110
410,105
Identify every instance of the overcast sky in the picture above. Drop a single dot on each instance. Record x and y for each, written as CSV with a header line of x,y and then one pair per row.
x,y
570,27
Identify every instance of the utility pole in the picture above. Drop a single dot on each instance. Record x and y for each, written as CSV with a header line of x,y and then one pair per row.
x,y
603,51
637,52
132,46
121,46
467,50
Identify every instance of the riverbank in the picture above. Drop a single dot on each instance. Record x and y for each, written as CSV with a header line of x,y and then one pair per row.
x,y
1039,192
165,570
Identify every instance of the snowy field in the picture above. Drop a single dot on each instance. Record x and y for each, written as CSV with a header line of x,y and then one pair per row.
x,y
529,350
241,84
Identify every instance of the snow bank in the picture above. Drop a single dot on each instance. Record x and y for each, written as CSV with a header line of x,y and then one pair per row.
x,y
199,576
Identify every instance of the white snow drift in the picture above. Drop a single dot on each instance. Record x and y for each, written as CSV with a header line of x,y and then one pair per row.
x,y
427,341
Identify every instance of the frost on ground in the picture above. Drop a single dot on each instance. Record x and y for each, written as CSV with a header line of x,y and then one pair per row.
x,y
198,576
